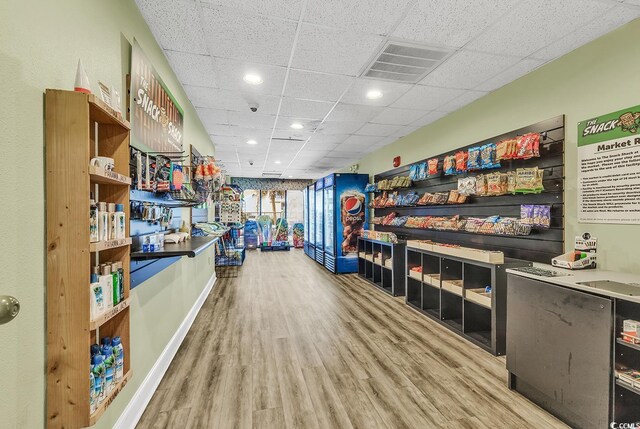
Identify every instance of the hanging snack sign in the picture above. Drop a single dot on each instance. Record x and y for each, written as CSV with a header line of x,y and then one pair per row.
x,y
609,168
156,117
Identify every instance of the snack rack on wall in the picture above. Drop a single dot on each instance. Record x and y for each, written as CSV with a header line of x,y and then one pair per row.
x,y
79,127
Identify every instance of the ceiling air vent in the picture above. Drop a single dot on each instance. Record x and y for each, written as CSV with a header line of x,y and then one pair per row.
x,y
271,174
405,62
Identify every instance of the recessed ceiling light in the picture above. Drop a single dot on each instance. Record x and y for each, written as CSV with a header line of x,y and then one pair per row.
x,y
252,79
297,126
374,94
277,162
252,142
290,177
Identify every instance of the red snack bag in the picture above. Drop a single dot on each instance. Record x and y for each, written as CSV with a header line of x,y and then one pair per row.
x,y
461,161
433,166
528,146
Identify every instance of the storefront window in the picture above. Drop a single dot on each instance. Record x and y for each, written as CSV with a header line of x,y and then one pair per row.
x,y
272,203
295,212
252,203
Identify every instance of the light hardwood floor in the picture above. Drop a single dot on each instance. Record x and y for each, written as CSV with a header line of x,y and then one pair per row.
x,y
289,345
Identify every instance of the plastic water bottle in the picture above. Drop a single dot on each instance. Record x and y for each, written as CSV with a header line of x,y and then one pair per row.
x,y
118,354
98,370
93,405
109,365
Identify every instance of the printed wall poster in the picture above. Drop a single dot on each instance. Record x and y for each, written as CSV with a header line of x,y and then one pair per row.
x,y
609,168
156,117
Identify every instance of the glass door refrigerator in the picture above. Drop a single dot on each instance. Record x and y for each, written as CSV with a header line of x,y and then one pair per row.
x,y
305,218
311,192
319,233
345,204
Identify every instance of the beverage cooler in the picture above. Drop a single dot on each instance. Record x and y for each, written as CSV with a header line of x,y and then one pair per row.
x,y
310,215
319,221
344,218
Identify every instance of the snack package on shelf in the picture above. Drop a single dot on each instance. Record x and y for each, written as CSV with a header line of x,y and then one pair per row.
x,y
432,166
461,161
441,197
414,172
388,218
528,146
449,165
391,200
467,186
481,185
529,180
371,187
497,184
488,156
399,221
534,215
511,182
474,162
411,199
425,199
506,149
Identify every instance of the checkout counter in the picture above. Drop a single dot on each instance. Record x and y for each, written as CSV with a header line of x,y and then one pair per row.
x,y
564,343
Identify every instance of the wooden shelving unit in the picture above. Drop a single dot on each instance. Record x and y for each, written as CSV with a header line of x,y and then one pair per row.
x,y
79,127
386,274
451,291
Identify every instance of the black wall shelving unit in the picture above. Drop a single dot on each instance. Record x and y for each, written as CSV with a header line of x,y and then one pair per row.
x,y
447,291
386,274
540,245
626,398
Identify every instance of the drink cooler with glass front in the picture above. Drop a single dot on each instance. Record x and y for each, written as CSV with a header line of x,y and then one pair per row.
x,y
340,217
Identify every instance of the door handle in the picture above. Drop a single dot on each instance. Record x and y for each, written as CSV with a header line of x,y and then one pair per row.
x,y
9,308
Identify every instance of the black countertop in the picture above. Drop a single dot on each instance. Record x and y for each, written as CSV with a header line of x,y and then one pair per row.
x,y
189,248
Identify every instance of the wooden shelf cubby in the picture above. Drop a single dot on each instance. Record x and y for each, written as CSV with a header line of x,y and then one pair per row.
x,y
451,292
79,127
387,272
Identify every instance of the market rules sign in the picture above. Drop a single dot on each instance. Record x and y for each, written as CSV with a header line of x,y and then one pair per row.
x,y
609,168
157,119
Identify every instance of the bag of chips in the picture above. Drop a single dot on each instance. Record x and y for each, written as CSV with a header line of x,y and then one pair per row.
x,y
529,180
474,161
461,161
414,170
467,186
511,182
449,165
526,214
422,171
481,185
432,166
496,184
542,216
528,146
488,156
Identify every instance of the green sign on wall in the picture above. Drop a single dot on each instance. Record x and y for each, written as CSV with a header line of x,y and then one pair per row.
x,y
609,168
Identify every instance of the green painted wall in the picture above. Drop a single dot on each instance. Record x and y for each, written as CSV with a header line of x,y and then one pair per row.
x,y
40,43
598,78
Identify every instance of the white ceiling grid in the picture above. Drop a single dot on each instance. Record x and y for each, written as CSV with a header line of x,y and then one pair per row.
x,y
310,54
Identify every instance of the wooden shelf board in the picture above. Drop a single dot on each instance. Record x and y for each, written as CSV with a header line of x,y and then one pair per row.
x,y
109,314
93,419
627,386
106,177
631,346
110,244
102,113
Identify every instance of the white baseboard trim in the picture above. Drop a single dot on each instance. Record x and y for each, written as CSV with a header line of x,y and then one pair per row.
x,y
133,412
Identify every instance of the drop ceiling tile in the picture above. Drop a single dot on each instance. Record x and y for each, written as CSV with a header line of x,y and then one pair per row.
x,y
391,91
378,130
426,97
220,130
331,50
251,120
295,107
174,24
632,2
316,86
192,69
230,74
607,22
534,24
366,16
452,22
225,141
248,37
466,98
341,155
252,133
290,135
354,113
284,123
426,120
520,69
212,117
467,70
406,131
230,100
289,9
393,116
340,127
